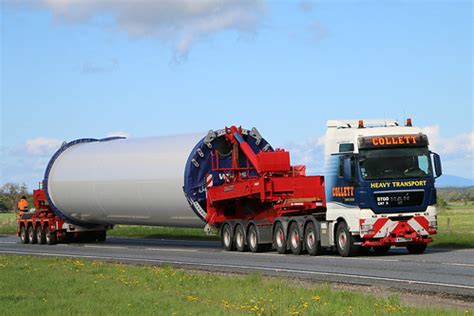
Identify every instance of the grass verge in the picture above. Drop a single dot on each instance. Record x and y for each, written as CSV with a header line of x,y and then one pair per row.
x,y
455,226
7,223
160,232
72,286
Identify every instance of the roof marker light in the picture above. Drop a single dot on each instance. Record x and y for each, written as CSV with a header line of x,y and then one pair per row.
x,y
408,123
361,124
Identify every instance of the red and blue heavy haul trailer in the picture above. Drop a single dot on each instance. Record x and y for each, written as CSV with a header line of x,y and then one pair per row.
x,y
237,184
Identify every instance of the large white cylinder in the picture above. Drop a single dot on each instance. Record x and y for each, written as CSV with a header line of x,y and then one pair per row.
x,y
123,181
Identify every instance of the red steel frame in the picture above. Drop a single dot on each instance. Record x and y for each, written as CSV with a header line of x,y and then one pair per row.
x,y
42,216
277,190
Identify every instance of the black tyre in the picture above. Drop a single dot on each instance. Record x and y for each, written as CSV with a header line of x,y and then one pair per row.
x,y
252,239
50,237
345,241
294,239
24,235
226,238
382,250
102,236
417,249
279,238
40,236
239,238
32,235
311,242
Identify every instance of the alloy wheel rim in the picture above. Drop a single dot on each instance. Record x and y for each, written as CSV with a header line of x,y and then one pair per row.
x,y
239,239
310,240
253,239
280,238
342,240
295,239
226,237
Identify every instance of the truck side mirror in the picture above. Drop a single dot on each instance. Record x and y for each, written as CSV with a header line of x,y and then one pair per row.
x,y
437,165
347,169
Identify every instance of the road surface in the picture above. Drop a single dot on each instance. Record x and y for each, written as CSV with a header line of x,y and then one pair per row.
x,y
441,271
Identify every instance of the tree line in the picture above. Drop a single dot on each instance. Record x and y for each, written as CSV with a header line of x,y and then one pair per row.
x,y
456,194
10,194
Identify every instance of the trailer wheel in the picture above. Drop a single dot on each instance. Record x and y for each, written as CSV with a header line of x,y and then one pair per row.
x,y
253,241
32,235
382,250
23,235
294,238
416,249
311,242
40,236
279,240
50,237
226,238
345,241
239,238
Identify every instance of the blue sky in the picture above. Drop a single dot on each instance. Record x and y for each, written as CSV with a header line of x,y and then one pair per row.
x,y
73,69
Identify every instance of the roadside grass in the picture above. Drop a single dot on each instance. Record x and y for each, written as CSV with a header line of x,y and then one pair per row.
x,y
73,286
155,232
457,234
455,226
7,223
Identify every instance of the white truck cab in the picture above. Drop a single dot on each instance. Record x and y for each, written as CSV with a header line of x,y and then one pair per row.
x,y
380,189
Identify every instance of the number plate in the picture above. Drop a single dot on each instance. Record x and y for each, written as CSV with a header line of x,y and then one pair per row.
x,y
401,239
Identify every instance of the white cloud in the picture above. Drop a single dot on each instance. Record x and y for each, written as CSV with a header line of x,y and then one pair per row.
x,y
181,22
309,152
119,134
41,145
459,145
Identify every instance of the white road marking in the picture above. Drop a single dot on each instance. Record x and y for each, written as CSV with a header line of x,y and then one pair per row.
x,y
104,247
458,264
356,276
8,242
319,257
172,249
369,259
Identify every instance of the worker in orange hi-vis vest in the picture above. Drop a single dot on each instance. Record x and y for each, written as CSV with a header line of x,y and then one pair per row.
x,y
22,206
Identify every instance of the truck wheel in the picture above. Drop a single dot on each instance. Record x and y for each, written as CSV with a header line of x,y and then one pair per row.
x,y
102,236
40,237
279,240
23,235
417,249
345,241
32,235
226,238
294,239
253,239
311,242
50,237
382,250
239,238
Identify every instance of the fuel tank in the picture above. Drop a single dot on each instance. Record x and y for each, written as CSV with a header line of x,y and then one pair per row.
x,y
138,181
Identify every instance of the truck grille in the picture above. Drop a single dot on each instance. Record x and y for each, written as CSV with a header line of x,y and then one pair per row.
x,y
399,199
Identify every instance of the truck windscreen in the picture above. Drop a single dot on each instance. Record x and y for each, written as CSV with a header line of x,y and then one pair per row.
x,y
395,163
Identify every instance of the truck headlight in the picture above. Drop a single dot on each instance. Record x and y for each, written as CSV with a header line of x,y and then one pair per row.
x,y
367,229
